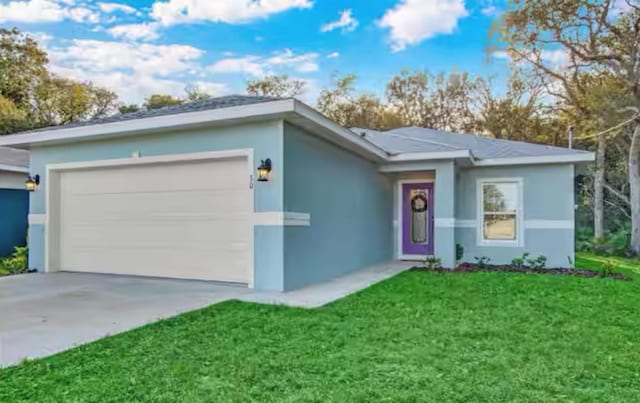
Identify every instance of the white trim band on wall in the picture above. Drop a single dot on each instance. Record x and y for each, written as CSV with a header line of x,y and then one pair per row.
x,y
549,224
528,224
465,223
37,219
444,222
285,218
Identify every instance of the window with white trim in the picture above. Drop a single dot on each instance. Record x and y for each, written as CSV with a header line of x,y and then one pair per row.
x,y
500,211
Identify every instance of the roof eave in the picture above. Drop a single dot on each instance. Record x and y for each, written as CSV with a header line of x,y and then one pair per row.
x,y
420,161
286,109
258,111
14,168
313,120
578,158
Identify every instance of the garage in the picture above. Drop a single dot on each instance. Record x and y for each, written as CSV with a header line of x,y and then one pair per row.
x,y
186,217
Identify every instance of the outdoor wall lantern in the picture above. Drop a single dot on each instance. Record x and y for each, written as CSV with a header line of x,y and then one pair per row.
x,y
264,169
32,183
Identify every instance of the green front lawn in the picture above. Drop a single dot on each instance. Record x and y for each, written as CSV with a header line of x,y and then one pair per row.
x,y
416,337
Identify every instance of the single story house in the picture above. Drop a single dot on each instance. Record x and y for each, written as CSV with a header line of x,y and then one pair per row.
x,y
14,199
270,193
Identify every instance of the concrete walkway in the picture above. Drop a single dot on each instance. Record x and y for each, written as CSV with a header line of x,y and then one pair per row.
x,y
321,294
42,314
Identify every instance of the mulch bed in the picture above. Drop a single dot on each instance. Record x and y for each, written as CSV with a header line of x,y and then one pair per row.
x,y
471,268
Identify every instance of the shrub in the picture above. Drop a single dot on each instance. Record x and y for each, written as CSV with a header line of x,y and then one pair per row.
x,y
519,262
459,252
432,263
17,262
607,268
482,261
538,263
612,244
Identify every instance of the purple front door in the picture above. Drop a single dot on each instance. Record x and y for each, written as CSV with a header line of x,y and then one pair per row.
x,y
417,219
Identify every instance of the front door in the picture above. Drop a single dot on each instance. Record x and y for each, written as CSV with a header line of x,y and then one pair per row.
x,y
417,219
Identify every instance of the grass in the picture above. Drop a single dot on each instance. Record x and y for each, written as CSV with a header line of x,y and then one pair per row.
x,y
623,265
416,337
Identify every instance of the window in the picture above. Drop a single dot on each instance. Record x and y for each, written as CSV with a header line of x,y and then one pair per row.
x,y
500,212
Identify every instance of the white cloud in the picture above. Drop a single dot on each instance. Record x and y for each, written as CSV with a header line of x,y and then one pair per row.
x,y
83,14
489,10
413,21
236,11
133,71
556,58
501,54
310,91
116,7
303,63
36,11
41,37
346,22
142,31
620,7
248,64
333,55
258,66
33,11
212,88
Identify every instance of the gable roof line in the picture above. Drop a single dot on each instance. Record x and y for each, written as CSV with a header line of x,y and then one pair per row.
x,y
424,141
287,109
258,111
13,168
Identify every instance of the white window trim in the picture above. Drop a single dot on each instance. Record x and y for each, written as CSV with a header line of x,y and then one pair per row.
x,y
519,241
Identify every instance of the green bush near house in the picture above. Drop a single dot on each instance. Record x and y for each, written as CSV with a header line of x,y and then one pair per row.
x,y
16,263
614,243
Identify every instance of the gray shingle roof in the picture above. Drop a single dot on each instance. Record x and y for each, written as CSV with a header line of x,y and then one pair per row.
x,y
397,141
195,106
419,139
13,157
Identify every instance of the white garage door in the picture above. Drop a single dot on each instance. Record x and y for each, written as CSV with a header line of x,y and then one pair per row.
x,y
185,220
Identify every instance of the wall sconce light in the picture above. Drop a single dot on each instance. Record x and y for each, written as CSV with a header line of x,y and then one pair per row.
x,y
32,183
264,169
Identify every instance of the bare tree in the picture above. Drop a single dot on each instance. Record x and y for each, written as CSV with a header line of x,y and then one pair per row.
x,y
440,102
565,41
276,86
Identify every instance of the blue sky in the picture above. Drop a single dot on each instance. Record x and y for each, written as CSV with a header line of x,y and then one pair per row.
x,y
160,46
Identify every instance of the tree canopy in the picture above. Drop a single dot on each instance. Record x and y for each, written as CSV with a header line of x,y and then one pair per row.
x,y
31,96
276,86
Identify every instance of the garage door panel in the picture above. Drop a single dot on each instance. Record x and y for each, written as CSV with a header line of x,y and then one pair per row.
x,y
175,232
140,208
227,174
173,220
143,203
165,263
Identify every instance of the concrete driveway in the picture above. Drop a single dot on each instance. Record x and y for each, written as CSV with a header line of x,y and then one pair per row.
x,y
41,314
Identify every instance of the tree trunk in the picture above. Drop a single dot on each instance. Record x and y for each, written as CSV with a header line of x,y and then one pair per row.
x,y
634,189
598,202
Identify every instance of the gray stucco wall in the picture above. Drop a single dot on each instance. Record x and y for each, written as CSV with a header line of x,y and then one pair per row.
x,y
265,138
548,201
351,208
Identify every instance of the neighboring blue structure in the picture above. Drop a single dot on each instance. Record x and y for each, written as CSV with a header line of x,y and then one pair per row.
x,y
14,199
14,208
337,200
